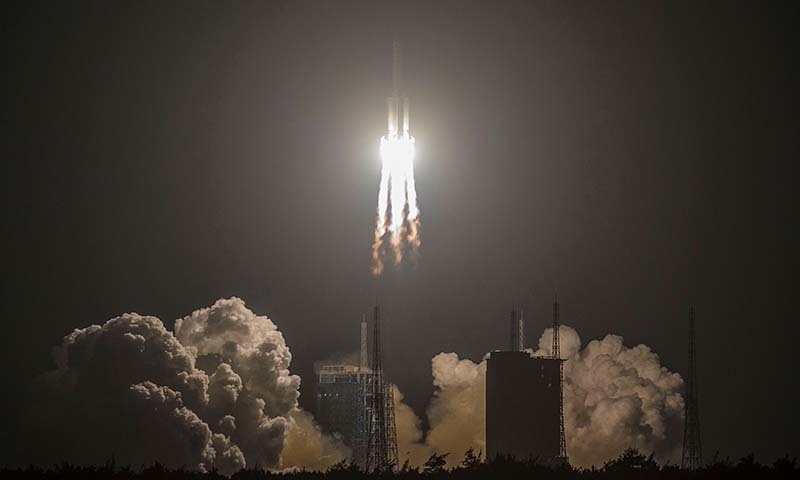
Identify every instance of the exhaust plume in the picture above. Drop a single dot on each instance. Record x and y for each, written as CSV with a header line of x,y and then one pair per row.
x,y
397,224
215,394
615,397
455,415
397,229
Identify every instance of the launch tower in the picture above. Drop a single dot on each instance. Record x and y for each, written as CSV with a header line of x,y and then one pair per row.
x,y
381,452
692,457
517,329
556,350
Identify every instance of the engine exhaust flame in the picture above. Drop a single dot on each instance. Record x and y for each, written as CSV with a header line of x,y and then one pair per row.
x,y
398,224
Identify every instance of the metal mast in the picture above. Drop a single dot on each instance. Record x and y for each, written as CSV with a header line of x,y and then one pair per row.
x,y
562,439
692,457
382,436
517,330
364,360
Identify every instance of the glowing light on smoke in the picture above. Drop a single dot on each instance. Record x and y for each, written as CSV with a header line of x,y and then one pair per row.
x,y
397,224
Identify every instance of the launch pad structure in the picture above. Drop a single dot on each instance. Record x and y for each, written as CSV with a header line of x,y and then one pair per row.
x,y
524,399
355,403
381,451
692,456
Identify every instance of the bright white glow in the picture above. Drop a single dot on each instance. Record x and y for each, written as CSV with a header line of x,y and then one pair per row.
x,y
398,214
397,182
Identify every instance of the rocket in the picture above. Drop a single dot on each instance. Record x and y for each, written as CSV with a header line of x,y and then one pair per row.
x,y
397,104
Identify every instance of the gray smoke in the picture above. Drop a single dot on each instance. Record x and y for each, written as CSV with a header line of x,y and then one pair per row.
x,y
216,394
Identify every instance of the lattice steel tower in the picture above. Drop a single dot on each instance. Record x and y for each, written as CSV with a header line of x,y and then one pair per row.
x,y
517,329
692,457
382,436
562,439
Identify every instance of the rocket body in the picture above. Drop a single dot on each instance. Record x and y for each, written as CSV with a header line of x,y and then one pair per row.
x,y
397,103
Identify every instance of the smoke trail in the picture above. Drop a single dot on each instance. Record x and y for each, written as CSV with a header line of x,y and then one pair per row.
x,y
455,415
615,397
216,393
397,226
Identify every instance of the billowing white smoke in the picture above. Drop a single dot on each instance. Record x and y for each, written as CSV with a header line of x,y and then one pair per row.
x,y
397,224
216,394
615,397
307,447
409,432
455,415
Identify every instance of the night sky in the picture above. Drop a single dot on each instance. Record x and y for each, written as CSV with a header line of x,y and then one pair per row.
x,y
634,157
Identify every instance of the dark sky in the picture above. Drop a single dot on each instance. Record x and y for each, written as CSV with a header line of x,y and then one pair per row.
x,y
634,156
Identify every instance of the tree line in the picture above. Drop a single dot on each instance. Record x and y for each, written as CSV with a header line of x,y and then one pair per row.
x,y
631,464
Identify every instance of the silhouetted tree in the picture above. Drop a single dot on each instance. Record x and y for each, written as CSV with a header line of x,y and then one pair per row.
x,y
785,465
435,464
631,459
471,460
630,465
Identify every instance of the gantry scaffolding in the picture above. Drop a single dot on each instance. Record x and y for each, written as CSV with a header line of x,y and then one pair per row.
x,y
381,452
356,405
692,457
562,439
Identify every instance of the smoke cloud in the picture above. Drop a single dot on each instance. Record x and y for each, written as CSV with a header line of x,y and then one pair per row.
x,y
455,415
215,394
615,397
410,445
307,447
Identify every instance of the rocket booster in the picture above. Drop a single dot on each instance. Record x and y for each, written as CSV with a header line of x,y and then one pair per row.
x,y
397,104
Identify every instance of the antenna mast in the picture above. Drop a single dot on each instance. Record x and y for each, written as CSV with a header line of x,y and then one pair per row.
x,y
517,330
692,457
562,439
382,436
364,360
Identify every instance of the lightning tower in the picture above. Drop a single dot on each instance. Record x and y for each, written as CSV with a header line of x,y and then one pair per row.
x,y
692,457
364,358
562,439
517,329
382,436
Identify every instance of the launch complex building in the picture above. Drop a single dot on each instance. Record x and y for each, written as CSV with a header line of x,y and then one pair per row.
x,y
524,400
342,400
356,404
524,403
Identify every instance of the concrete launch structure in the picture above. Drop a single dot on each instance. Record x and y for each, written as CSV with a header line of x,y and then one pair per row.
x,y
523,401
522,406
355,403
342,400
